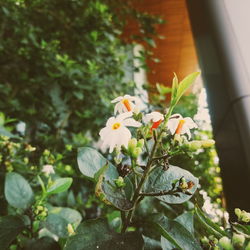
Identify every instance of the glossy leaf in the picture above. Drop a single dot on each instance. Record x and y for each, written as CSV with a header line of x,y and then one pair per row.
x,y
185,84
95,234
187,220
90,161
72,216
161,180
17,191
59,185
174,235
210,226
10,227
57,225
108,192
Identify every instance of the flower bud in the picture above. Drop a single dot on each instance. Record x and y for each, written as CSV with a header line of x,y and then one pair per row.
x,y
225,243
237,211
183,184
70,230
248,246
194,145
140,143
136,152
40,208
242,215
205,241
238,240
132,144
120,182
245,216
208,143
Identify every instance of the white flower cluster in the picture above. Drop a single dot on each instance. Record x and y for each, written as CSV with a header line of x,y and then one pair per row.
x,y
116,133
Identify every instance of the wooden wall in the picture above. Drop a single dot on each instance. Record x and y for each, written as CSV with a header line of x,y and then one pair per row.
x,y
176,52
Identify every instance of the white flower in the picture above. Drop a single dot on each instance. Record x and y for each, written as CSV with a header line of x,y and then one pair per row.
x,y
126,103
155,117
179,125
48,169
115,134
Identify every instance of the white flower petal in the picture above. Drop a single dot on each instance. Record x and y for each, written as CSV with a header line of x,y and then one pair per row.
x,y
172,125
123,116
191,124
131,122
117,99
110,121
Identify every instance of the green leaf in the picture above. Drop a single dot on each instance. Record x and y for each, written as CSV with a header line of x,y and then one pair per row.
x,y
60,185
107,191
162,89
187,220
90,161
151,244
5,132
174,234
161,180
10,227
174,88
57,225
72,216
185,84
17,191
210,226
44,243
95,234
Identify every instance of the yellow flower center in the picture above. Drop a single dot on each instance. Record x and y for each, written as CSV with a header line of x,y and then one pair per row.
x,y
127,104
116,125
179,127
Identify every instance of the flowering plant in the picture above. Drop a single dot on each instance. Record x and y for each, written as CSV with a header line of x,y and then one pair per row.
x,y
140,167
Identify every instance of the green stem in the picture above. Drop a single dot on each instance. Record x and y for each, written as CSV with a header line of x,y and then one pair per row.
x,y
136,198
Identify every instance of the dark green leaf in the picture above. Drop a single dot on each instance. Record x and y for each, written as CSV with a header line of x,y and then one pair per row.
x,y
187,220
17,191
161,180
90,161
57,225
59,185
108,192
44,243
212,227
72,216
174,234
10,227
95,234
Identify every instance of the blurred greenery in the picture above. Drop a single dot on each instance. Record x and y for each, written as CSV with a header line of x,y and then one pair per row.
x,y
61,62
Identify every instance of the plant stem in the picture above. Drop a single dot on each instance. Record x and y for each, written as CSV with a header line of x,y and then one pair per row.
x,y
137,195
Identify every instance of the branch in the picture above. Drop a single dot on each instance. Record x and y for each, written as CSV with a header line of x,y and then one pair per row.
x,y
161,193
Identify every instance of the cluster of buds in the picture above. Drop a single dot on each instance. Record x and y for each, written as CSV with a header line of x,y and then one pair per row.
x,y
135,147
195,144
48,157
119,182
184,185
40,212
242,215
29,148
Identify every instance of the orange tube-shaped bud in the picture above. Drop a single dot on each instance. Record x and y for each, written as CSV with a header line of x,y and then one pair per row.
x,y
127,104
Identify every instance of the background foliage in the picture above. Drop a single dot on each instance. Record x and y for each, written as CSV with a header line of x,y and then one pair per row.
x,y
61,64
